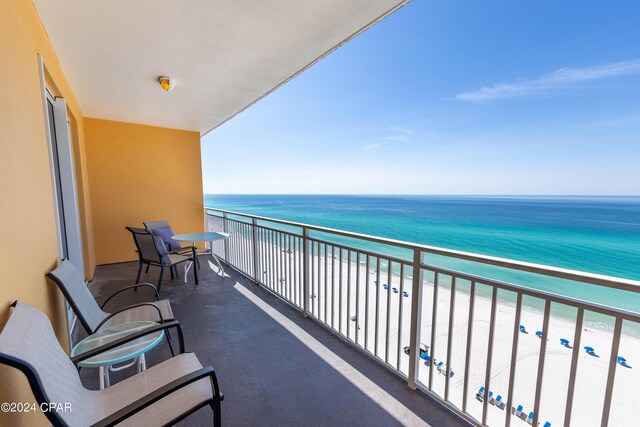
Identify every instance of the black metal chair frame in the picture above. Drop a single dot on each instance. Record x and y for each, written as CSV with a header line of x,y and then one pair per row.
x,y
85,323
41,396
178,251
158,262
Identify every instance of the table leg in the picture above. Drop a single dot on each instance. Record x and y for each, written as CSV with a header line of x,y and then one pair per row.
x,y
142,363
187,267
188,264
101,370
215,258
104,377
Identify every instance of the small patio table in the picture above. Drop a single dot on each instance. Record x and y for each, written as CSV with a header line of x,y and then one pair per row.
x,y
133,350
204,236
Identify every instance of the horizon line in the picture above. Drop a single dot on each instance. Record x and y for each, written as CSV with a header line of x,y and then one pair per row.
x,y
422,194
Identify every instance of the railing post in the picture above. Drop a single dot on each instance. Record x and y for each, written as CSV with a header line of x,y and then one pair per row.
x,y
254,243
416,318
225,227
306,254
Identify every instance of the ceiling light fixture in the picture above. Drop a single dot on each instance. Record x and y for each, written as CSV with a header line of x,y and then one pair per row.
x,y
167,83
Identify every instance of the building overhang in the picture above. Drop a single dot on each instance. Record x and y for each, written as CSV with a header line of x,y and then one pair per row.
x,y
224,55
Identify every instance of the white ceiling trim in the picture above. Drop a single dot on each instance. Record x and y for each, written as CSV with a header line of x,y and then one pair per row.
x,y
300,71
225,55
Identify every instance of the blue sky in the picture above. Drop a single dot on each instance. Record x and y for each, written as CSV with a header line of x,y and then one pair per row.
x,y
452,97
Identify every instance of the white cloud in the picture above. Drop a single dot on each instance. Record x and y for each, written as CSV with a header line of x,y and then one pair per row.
x,y
555,80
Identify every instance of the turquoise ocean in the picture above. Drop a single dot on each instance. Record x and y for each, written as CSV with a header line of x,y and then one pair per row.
x,y
593,234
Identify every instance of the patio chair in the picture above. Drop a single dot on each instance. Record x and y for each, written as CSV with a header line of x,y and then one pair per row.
x,y
165,232
152,251
518,411
426,358
161,395
499,403
92,316
623,361
492,400
530,418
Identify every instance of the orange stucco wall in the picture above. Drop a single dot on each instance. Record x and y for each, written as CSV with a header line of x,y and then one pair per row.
x,y
27,216
125,173
140,173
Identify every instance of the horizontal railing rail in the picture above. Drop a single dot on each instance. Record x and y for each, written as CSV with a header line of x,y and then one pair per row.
x,y
389,307
562,273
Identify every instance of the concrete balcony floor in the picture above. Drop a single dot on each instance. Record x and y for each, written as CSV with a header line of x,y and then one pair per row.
x,y
275,367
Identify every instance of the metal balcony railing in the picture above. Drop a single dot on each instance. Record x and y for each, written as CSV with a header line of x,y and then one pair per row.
x,y
456,335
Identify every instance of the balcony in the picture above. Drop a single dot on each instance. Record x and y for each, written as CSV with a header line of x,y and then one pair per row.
x,y
318,324
275,367
478,334
311,325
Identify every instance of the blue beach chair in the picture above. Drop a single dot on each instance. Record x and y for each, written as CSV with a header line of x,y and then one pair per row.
x,y
499,403
590,351
539,334
564,342
385,286
547,424
530,418
426,358
405,294
523,329
622,361
395,290
518,412
480,394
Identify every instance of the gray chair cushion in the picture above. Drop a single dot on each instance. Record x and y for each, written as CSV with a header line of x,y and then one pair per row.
x,y
166,234
161,247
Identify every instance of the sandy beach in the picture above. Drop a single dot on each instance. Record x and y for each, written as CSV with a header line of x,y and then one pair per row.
x,y
346,292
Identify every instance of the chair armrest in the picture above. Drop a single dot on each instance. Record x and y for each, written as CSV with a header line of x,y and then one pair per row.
x,y
147,285
181,249
160,393
141,333
129,307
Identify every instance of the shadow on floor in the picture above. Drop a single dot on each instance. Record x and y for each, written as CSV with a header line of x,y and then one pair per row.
x,y
274,366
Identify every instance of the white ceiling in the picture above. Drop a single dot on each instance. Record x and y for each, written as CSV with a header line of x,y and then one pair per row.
x,y
223,54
